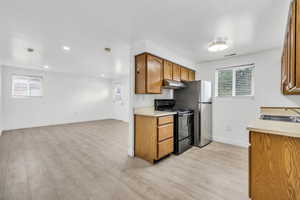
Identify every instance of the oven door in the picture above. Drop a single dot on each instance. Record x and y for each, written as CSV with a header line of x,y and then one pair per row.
x,y
185,125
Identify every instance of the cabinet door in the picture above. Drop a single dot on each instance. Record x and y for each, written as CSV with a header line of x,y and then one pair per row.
x,y
184,74
176,72
291,48
165,132
296,20
275,166
168,70
140,74
165,147
191,75
154,74
145,145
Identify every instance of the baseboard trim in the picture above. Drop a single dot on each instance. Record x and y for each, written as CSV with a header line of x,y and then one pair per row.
x,y
231,141
49,125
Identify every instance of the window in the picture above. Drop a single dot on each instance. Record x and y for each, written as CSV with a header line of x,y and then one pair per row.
x,y
235,81
27,86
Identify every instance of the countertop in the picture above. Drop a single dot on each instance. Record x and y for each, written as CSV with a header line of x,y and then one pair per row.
x,y
149,111
290,129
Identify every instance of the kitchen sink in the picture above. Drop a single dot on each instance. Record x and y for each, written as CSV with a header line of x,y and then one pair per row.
x,y
281,118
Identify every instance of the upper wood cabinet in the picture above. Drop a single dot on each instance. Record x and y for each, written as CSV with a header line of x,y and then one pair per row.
x,y
151,70
184,74
191,75
176,72
168,70
290,70
148,74
140,74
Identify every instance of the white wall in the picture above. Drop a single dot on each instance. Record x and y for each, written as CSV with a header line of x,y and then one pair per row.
x,y
1,113
232,115
140,100
67,98
121,108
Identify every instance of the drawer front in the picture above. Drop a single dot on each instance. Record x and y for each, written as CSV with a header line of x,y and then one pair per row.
x,y
165,147
165,120
165,132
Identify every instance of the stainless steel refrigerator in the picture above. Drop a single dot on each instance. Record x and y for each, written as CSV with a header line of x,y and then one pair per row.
x,y
197,95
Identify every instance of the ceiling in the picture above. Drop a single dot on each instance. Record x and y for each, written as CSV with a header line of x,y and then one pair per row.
x,y
88,26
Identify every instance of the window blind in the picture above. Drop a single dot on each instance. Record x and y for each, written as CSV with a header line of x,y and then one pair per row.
x,y
26,86
235,81
225,82
243,82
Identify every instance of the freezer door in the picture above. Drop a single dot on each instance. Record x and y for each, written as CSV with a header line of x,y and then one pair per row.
x,y
205,123
206,92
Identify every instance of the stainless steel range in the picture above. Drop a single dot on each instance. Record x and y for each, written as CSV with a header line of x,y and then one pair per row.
x,y
183,124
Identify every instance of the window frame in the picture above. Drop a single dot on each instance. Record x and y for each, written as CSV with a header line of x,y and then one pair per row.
x,y
26,76
234,69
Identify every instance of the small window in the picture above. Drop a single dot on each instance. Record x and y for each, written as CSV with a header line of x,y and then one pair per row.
x,y
225,83
235,81
27,86
117,96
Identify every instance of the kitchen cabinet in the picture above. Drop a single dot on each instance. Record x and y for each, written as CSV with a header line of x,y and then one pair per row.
x,y
290,61
184,74
153,137
191,75
274,166
148,74
151,70
168,70
176,72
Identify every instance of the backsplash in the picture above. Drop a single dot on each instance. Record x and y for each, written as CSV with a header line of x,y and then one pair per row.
x,y
280,111
147,100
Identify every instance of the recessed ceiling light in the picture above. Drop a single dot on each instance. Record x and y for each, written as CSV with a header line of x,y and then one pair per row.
x,y
102,75
107,49
66,48
218,45
46,67
30,50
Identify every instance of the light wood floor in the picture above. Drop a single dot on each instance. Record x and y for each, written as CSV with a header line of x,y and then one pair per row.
x,y
89,161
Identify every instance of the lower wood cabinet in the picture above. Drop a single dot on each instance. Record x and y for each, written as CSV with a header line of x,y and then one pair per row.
x,y
165,147
274,167
153,137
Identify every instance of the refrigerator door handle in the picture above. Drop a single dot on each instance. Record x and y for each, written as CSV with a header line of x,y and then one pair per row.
x,y
205,123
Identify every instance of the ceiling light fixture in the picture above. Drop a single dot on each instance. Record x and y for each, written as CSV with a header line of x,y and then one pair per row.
x,y
66,48
218,45
102,75
46,67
